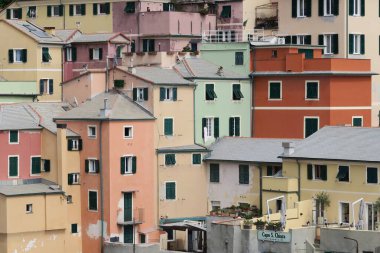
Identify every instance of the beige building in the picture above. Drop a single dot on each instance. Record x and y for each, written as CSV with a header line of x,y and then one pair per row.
x,y
346,28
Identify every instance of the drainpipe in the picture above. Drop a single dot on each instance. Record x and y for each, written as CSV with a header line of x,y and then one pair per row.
x,y
347,36
261,187
253,95
299,180
101,186
62,69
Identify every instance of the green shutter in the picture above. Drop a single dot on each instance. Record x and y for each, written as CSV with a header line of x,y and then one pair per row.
x,y
61,9
335,44
312,90
49,11
13,136
174,94
357,122
294,8
311,126
46,165
42,88
170,159
294,40
10,56
97,167
168,126
122,165
269,171
243,174
13,166
308,8
362,8
324,172
320,40
170,190
237,126
146,94
128,206
362,44
83,9
197,158
95,9
71,10
93,200
231,126
335,7
70,179
86,165
203,127
162,94
128,234
321,7
100,53
134,164
108,8
310,171
214,173
216,128
308,40
134,94
51,86
8,14
351,7
24,55
36,165
350,43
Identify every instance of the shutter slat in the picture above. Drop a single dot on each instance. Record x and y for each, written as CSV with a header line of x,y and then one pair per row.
x,y
216,127
310,171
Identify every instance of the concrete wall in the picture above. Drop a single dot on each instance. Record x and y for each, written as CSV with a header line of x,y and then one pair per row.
x,y
142,248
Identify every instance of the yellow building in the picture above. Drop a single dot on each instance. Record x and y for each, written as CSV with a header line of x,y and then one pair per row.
x,y
31,54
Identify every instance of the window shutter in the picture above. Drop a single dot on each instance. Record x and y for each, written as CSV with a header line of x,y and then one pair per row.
x,y
321,7
13,166
294,40
151,46
320,40
174,94
294,8
24,55
83,9
362,8
70,179
308,8
237,126
122,165
97,167
216,127
231,132
49,11
134,94
91,52
86,165
69,145
134,164
362,44
36,165
162,94
203,127
288,39
335,7
269,171
73,53
310,171
10,56
71,10
19,13
42,86
335,44
80,144
324,172
108,9
146,94
351,44
308,39
100,53
47,166
351,7
145,45
65,53
95,9
61,8
51,86
8,14
168,126
379,45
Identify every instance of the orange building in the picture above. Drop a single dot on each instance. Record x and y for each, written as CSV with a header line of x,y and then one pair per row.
x,y
296,91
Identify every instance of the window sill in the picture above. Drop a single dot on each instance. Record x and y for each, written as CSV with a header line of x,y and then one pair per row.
x,y
274,99
311,99
128,138
92,211
13,143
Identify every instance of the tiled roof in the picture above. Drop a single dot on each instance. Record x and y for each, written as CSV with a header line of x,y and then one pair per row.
x,y
119,107
29,187
180,149
66,35
340,143
247,149
96,37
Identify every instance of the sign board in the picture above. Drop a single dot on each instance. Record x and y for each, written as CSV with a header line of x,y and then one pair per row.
x,y
273,236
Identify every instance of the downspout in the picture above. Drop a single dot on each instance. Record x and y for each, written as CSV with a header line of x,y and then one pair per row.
x,y
101,186
64,16
253,95
299,180
347,36
261,187
62,69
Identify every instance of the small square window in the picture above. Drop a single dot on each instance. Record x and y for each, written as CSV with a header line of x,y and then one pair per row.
x,y
239,58
128,164
73,178
46,86
357,121
128,132
170,159
74,228
29,208
92,166
275,90
312,90
91,131
69,199
197,159
13,137
343,174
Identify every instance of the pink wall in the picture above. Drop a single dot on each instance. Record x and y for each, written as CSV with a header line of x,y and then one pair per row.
x,y
236,14
29,145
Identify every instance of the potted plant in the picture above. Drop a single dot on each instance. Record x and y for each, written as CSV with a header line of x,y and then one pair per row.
x,y
152,53
247,223
376,207
260,224
322,200
274,226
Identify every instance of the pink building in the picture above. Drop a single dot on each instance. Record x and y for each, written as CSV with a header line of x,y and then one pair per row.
x,y
117,170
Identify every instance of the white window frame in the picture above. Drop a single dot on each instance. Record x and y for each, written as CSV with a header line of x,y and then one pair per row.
x,y
130,131
366,177
18,166
356,44
327,11
89,134
76,178
75,144
29,208
46,86
96,53
301,39
304,123
43,164
274,99
69,54
340,211
301,8
34,13
97,200
55,10
356,8
210,123
315,172
9,137
195,164
128,164
31,163
328,42
234,117
75,13
357,117
13,13
98,9
140,94
168,94
349,173
92,165
15,51
312,81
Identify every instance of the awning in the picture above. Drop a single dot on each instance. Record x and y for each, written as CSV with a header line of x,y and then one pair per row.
x,y
184,225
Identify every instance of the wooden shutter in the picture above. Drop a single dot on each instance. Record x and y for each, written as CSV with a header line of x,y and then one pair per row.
x,y
10,56
100,53
335,44
42,86
49,11
162,94
122,165
107,7
350,43
80,144
51,86
288,39
320,40
174,94
71,10
308,39
294,40
324,172
86,165
231,127
310,171
362,44
335,7
321,6
134,164
73,53
24,55
308,8
216,127
47,166
91,53
294,8
8,14
203,127
237,126
70,179
146,94
13,166
351,7
134,94
36,165
83,9
362,8
95,9
97,167
61,8
69,145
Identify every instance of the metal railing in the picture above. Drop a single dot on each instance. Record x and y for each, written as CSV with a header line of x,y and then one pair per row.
x,y
226,36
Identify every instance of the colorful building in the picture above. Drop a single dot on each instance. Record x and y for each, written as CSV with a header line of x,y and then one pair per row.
x,y
30,50
296,91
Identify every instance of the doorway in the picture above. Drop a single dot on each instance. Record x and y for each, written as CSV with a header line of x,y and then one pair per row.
x,y
344,216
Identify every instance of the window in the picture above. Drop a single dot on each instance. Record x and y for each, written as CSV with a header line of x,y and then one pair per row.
x,y
45,55
243,174
343,174
74,144
234,126
372,175
74,228
91,131
128,165
140,94
301,8
29,208
356,44
93,200
170,188
344,216
101,8
130,7
311,125
239,58
14,13
210,128
356,8
96,53
148,45
214,173
168,7
71,54
119,51
210,92
171,235
128,132
92,166
168,94
12,166
77,9
170,159
309,53
55,10
17,55
317,172
273,170
226,11
32,12
357,121
35,166
312,90
13,137
142,238
45,165
330,41
215,205
274,53
328,8
73,178
275,90
236,92
168,126
69,199
197,159
46,86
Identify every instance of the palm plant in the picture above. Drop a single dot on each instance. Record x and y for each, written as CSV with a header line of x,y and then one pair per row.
x,y
323,200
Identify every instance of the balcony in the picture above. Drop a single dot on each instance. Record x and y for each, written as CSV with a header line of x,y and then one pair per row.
x,y
280,184
227,36
137,217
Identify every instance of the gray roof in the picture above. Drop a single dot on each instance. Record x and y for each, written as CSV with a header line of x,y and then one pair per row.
x,y
65,35
340,144
119,107
29,187
95,37
35,32
160,76
313,73
182,149
255,150
197,68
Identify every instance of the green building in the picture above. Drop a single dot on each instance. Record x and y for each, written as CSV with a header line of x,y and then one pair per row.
x,y
17,92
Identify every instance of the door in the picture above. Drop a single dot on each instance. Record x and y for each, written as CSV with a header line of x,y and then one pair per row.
x,y
371,217
311,126
128,206
344,212
190,240
128,234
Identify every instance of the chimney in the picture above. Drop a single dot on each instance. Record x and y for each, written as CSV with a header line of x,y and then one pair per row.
x,y
131,69
288,148
104,112
50,30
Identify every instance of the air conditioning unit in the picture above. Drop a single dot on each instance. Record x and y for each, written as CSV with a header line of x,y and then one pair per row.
x,y
281,41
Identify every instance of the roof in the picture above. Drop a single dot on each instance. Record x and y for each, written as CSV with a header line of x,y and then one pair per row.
x,y
29,187
255,150
157,75
183,149
19,88
197,68
66,35
313,73
119,107
99,37
340,144
35,32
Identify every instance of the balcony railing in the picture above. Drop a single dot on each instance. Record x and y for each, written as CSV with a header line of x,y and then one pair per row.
x,y
283,184
267,16
226,36
137,217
